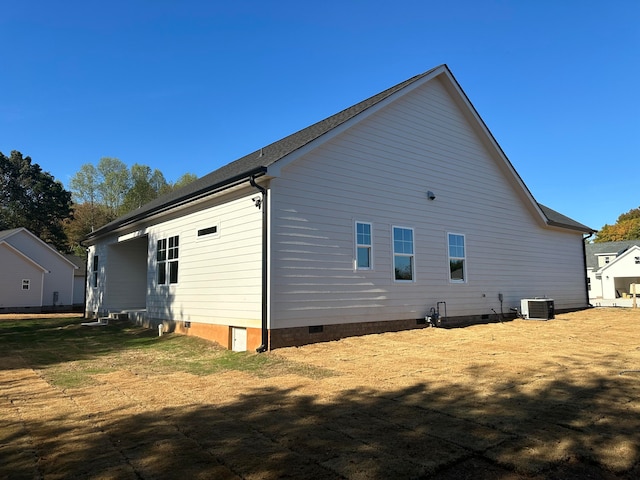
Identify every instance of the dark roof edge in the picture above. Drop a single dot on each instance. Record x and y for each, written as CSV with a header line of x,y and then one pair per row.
x,y
209,190
556,219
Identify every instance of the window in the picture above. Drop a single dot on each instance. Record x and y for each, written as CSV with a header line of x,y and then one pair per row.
x,y
457,258
95,271
26,284
606,259
403,254
363,246
637,259
167,259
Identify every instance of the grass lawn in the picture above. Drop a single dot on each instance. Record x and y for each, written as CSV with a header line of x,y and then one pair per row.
x,y
514,400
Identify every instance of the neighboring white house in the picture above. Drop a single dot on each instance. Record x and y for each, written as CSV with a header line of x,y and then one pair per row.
x,y
367,221
33,275
613,270
79,280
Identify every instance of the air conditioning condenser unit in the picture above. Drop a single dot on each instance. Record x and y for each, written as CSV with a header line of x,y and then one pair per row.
x,y
537,308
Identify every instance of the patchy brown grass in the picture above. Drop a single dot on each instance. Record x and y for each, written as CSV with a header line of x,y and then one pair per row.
x,y
520,399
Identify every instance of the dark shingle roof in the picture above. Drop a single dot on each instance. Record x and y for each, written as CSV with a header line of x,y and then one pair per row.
x,y
614,248
556,219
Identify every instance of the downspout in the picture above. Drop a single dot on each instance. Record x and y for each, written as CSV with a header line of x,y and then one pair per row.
x,y
86,279
584,259
263,205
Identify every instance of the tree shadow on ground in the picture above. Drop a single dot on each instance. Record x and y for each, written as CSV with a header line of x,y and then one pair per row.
x,y
557,429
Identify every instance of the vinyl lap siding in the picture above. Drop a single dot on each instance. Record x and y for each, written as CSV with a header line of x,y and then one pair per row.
x,y
379,172
11,292
219,279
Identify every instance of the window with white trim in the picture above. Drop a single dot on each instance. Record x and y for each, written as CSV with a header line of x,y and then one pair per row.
x,y
457,258
26,284
403,256
95,271
363,246
167,260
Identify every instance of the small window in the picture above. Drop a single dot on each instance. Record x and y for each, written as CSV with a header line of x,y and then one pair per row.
x,y
363,246
637,260
167,260
457,258
95,271
26,284
403,256
606,259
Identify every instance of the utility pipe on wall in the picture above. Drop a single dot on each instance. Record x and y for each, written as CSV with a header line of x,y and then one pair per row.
x,y
263,206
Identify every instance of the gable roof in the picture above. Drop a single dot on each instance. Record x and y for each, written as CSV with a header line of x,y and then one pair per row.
x,y
257,163
5,236
592,250
25,258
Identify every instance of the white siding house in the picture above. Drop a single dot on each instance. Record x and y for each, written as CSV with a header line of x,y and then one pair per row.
x,y
397,207
613,271
33,275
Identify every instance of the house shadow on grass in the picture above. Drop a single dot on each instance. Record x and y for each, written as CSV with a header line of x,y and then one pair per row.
x,y
561,429
42,342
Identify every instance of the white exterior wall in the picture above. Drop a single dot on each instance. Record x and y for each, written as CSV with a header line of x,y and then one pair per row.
x,y
219,275
379,171
596,285
95,294
621,272
13,270
219,278
61,271
78,290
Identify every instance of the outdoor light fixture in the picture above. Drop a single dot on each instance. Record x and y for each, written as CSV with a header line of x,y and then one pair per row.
x,y
431,195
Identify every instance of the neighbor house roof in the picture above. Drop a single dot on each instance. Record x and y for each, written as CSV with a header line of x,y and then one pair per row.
x,y
7,234
256,163
593,250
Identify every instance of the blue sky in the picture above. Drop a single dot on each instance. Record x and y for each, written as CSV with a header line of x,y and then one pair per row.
x,y
187,86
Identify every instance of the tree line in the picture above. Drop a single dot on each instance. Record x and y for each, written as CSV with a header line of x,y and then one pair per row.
x,y
34,199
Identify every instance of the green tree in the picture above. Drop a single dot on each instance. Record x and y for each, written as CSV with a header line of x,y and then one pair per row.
x,y
627,227
185,179
84,184
86,218
110,189
114,181
146,185
32,199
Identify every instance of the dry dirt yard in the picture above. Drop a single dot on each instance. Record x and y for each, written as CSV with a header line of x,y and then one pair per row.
x,y
514,400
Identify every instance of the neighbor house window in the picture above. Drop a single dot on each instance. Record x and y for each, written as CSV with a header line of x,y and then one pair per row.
x,y
363,245
637,260
457,258
403,261
167,259
95,271
26,284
